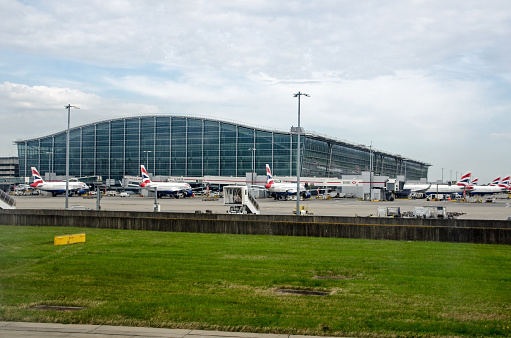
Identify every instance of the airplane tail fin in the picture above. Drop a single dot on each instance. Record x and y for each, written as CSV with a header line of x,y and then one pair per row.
x,y
464,180
269,177
475,181
495,182
37,178
145,176
505,183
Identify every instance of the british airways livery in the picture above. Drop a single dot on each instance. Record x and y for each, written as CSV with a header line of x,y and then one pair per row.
x,y
282,190
174,189
56,188
496,187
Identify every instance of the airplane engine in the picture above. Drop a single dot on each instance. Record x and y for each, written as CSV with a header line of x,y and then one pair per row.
x,y
82,192
189,193
306,194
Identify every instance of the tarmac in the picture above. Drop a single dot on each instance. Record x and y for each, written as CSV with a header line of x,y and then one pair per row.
x,y
498,209
46,330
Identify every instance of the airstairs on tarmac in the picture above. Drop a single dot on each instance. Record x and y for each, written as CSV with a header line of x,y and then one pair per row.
x,y
239,200
6,201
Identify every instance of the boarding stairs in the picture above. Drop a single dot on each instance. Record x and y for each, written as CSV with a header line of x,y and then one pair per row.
x,y
240,201
6,201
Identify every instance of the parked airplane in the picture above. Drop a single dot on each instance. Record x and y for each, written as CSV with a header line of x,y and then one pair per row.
x,y
175,189
283,190
56,188
495,187
440,188
462,186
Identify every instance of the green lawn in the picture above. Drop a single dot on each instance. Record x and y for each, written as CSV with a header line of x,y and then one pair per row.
x,y
228,282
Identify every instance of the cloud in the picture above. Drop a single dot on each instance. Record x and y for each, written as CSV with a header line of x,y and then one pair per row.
x,y
35,111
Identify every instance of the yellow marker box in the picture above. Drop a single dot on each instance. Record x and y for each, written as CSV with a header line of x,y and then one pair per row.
x,y
69,239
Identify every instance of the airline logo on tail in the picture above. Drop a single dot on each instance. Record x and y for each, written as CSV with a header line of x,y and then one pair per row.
x,y
145,176
475,181
495,182
269,178
505,182
37,178
465,179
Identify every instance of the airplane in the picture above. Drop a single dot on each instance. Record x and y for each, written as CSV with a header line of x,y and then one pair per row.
x,y
495,187
429,189
282,190
56,188
462,186
165,188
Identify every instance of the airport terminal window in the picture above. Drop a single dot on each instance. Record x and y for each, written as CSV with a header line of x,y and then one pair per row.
x,y
133,154
74,151
60,154
162,146
228,146
180,146
263,152
88,151
194,151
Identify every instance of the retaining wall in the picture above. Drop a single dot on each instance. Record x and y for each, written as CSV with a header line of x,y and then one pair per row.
x,y
463,231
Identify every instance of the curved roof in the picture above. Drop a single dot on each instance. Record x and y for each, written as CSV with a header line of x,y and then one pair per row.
x,y
311,134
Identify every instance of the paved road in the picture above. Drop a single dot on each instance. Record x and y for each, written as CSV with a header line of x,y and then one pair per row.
x,y
46,330
498,210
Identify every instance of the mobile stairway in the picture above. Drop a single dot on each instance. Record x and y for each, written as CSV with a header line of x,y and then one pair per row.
x,y
6,201
239,200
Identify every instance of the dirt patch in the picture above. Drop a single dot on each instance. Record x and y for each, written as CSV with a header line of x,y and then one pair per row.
x,y
303,292
57,308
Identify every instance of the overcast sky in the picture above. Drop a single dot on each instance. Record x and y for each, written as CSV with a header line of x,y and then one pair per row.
x,y
428,80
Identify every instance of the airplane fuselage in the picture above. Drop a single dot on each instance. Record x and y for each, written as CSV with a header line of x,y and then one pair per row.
x,y
169,188
56,188
445,189
486,190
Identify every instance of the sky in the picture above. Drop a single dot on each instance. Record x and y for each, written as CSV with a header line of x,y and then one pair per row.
x,y
428,80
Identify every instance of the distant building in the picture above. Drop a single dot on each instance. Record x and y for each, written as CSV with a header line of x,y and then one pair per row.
x,y
196,146
9,167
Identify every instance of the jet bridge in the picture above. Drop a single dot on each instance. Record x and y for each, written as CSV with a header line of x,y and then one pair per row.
x,y
6,201
239,200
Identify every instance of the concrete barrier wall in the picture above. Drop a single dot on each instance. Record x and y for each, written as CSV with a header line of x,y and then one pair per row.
x,y
463,231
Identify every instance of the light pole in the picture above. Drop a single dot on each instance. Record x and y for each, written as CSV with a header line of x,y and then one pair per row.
x,y
68,107
298,156
147,152
253,164
370,171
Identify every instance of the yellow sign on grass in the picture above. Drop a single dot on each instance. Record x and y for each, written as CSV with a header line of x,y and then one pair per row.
x,y
69,239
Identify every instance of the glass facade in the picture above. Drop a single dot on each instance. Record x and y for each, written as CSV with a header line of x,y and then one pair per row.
x,y
196,147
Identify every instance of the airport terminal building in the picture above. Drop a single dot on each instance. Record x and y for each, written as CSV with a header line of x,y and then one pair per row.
x,y
187,146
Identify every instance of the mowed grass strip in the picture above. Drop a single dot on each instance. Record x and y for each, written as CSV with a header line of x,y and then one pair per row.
x,y
229,282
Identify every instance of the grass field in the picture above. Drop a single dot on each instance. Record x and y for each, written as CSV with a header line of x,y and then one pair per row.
x,y
229,282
